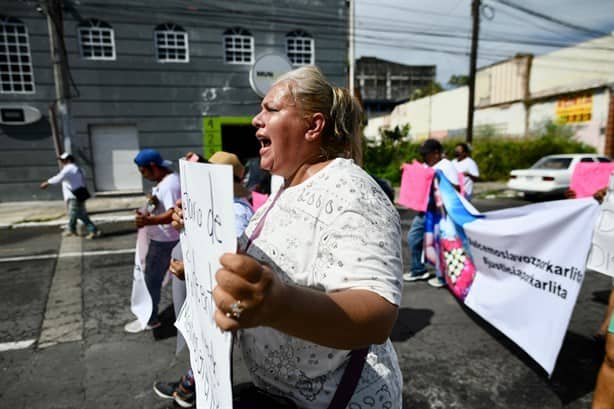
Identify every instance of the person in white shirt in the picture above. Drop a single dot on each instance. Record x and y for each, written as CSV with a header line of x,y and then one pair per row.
x,y
467,166
314,292
162,236
71,176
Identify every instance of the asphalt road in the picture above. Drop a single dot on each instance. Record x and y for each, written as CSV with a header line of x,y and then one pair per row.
x,y
72,309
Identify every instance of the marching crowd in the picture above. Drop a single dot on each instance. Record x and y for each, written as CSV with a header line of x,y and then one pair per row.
x,y
313,291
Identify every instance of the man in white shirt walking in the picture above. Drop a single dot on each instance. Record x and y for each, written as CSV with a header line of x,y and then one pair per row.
x,y
158,217
467,166
72,178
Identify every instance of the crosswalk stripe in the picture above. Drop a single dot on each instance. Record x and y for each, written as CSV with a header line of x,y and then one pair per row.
x,y
10,346
63,321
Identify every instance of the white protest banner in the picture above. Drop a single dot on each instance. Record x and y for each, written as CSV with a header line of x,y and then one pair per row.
x,y
529,269
207,200
140,300
601,257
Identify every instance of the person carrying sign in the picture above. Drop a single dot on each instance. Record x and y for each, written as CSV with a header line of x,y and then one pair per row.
x,y
75,194
158,218
431,151
314,293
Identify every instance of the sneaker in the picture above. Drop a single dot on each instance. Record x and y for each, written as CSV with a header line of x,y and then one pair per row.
x,y
93,235
436,282
409,277
134,327
165,390
185,397
68,233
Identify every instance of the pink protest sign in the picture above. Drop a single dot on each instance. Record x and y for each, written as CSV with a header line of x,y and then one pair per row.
x,y
415,185
258,200
587,177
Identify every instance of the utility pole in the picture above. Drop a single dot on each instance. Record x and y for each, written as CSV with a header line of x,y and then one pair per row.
x,y
61,106
351,56
475,13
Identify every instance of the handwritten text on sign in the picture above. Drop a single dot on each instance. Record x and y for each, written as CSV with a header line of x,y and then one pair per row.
x,y
601,257
206,194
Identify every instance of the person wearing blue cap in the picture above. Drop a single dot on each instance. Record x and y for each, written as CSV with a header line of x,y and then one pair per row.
x,y
157,219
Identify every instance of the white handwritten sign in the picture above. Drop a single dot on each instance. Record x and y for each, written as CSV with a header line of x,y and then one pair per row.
x,y
140,300
206,194
601,257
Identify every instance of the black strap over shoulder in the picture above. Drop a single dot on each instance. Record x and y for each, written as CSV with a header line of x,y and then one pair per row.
x,y
350,379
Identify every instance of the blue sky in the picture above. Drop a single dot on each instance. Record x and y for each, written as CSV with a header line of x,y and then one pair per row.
x,y
439,31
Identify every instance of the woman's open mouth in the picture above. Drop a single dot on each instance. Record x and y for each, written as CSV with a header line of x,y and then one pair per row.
x,y
264,142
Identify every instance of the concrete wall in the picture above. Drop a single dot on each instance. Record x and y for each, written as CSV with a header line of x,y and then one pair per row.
x,y
435,115
588,62
508,120
165,101
590,132
502,82
374,126
445,114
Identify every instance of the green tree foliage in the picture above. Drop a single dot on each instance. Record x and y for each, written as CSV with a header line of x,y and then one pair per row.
x,y
430,89
385,158
495,155
458,80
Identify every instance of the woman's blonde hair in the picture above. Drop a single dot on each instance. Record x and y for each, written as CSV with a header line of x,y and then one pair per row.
x,y
342,112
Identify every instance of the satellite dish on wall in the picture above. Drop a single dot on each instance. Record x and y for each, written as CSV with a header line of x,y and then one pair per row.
x,y
265,71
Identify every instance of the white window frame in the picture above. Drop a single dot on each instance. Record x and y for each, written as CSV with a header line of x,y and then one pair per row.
x,y
172,34
295,48
238,38
17,64
96,30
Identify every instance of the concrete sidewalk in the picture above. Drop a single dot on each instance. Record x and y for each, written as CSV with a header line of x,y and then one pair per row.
x,y
103,210
119,210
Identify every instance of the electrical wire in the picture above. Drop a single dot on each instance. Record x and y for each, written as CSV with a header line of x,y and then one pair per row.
x,y
551,19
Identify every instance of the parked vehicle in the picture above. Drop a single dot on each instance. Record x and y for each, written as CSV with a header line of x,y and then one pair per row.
x,y
550,175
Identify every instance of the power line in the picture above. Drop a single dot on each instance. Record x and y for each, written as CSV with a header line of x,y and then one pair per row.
x,y
325,21
222,17
550,18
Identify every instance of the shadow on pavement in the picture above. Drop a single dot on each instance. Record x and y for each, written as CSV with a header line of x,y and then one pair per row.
x,y
409,322
602,297
577,365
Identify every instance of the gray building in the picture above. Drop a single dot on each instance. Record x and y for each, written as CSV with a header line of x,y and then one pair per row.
x,y
385,84
170,75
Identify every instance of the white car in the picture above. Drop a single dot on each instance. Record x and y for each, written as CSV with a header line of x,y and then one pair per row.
x,y
549,175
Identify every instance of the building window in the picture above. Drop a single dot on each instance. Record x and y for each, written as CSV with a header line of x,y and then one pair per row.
x,y
238,46
16,75
171,43
97,40
300,48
